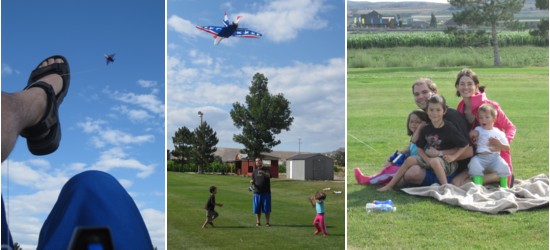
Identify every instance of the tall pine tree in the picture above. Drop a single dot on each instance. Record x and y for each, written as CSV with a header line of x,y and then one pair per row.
x,y
261,118
204,146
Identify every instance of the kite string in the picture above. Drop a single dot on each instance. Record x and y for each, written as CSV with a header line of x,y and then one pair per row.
x,y
363,142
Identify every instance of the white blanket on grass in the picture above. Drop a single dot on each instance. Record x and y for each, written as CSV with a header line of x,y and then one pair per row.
x,y
525,194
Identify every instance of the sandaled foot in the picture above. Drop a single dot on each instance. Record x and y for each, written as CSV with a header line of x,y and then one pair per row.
x,y
384,188
52,76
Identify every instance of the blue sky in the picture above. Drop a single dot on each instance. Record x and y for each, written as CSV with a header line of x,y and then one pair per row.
x,y
302,53
113,117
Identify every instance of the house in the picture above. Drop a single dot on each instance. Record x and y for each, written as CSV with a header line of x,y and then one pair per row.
x,y
310,167
377,20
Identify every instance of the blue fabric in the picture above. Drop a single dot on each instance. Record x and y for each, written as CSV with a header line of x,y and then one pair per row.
x,y
6,234
262,203
94,198
430,178
320,207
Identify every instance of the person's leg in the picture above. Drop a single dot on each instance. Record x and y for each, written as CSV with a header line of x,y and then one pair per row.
x,y
507,156
208,218
25,108
94,199
475,169
322,224
316,223
214,216
435,165
415,175
406,165
267,208
256,207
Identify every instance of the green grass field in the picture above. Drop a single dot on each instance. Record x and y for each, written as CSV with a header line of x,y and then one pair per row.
x,y
379,101
291,219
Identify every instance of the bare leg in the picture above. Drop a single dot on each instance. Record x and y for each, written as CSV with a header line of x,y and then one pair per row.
x,y
258,217
406,165
267,218
435,164
24,109
415,175
463,178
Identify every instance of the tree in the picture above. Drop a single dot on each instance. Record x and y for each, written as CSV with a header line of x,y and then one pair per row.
x,y
433,21
476,12
204,146
542,30
263,117
183,144
340,158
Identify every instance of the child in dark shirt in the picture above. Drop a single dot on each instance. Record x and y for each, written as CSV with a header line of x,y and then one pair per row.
x,y
211,214
439,134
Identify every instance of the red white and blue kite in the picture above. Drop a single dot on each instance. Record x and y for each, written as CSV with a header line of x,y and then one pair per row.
x,y
229,29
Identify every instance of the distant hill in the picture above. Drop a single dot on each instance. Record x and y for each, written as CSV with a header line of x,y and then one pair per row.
x,y
423,10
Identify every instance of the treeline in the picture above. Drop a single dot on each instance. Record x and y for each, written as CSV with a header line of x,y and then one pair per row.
x,y
450,38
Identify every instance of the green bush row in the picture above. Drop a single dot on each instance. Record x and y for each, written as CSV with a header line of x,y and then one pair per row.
x,y
451,38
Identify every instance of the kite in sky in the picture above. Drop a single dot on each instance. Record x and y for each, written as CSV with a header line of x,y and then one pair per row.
x,y
229,29
109,58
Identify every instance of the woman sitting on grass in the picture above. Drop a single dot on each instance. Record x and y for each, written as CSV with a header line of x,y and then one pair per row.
x,y
441,135
473,96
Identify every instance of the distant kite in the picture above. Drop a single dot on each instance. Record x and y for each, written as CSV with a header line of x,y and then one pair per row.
x,y
229,29
109,58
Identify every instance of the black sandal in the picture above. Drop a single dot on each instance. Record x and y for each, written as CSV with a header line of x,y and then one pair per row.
x,y
44,137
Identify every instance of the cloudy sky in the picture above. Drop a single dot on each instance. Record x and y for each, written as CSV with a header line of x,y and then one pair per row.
x,y
113,116
302,53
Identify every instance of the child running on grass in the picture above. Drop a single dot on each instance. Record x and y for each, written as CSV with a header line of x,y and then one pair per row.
x,y
211,214
416,119
441,135
490,141
319,221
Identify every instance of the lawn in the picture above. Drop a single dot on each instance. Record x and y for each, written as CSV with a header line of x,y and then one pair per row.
x,y
291,217
379,101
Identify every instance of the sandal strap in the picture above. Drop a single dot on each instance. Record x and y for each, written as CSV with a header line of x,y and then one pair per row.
x,y
61,69
50,117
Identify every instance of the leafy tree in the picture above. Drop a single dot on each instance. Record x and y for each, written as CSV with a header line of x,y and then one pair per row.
x,y
261,118
204,146
433,21
541,4
475,12
340,158
183,144
542,30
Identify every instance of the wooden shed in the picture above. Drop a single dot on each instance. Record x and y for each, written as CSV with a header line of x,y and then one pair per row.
x,y
310,167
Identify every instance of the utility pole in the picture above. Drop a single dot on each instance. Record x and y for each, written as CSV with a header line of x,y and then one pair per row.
x,y
200,115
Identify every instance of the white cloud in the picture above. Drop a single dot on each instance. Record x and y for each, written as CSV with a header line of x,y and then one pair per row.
x,y
282,20
147,83
182,26
6,69
148,102
154,220
103,136
117,158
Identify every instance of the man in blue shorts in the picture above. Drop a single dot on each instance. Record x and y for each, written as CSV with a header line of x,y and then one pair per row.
x,y
261,180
